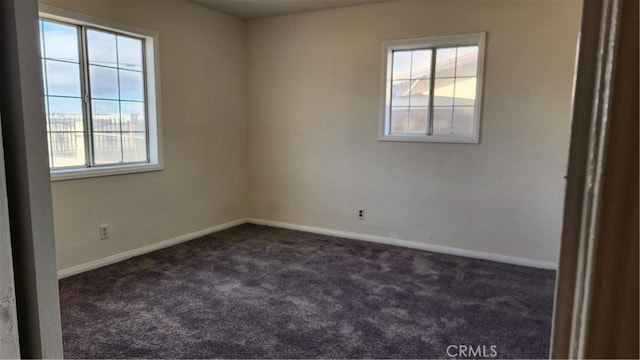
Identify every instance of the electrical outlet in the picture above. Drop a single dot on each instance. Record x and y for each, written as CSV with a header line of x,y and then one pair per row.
x,y
360,214
104,231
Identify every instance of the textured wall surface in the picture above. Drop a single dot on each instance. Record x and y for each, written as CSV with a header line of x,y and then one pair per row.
x,y
277,119
202,71
314,114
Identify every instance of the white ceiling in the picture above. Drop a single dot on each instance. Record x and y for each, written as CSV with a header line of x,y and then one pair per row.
x,y
253,9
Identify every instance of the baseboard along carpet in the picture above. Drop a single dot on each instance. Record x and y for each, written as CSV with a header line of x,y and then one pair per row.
x,y
260,292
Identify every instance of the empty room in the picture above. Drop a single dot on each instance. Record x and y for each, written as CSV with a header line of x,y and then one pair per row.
x,y
305,179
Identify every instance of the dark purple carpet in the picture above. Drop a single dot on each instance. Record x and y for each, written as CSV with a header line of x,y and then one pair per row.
x,y
259,292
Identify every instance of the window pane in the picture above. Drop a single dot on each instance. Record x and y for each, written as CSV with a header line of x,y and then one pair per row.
x,y
105,115
107,148
442,120
60,41
63,78
129,53
445,62
117,109
421,64
467,61
67,149
463,121
418,120
400,91
104,82
134,147
49,144
64,114
131,85
443,92
420,92
399,119
132,116
101,48
401,65
432,89
465,91
41,34
46,111
44,78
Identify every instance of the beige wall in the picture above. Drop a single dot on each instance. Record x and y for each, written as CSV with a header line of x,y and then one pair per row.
x,y
202,59
302,146
314,115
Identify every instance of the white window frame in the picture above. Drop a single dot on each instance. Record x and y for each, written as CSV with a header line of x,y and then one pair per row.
x,y
388,47
153,95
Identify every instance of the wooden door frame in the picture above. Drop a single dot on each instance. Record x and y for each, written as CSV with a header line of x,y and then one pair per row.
x,y
9,344
28,184
593,318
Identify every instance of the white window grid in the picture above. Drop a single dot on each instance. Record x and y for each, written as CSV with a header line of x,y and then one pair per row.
x,y
152,95
431,44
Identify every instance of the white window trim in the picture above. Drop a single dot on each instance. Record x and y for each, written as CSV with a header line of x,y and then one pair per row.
x,y
154,114
429,42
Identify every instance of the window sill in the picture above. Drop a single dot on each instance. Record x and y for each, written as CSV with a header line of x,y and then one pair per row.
x,y
433,139
74,174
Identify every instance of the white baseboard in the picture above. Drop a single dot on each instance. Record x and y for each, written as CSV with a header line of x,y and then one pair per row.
x,y
410,244
145,249
316,230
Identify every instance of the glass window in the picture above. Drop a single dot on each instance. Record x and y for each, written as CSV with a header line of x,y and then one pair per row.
x,y
432,89
95,96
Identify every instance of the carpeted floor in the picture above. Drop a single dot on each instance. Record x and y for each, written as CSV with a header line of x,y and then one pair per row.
x,y
259,292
